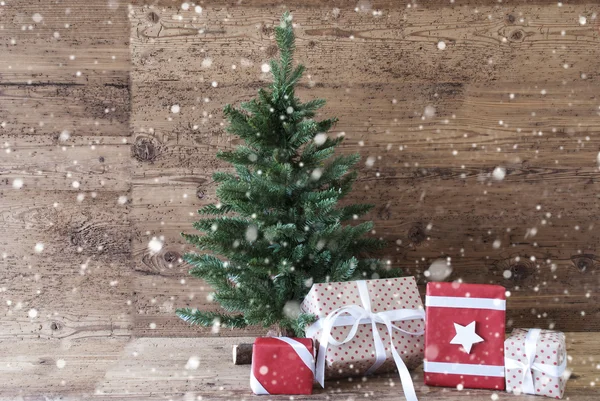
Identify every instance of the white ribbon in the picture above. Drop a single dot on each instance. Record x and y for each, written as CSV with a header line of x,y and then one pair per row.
x,y
464,302
530,351
449,368
355,315
302,352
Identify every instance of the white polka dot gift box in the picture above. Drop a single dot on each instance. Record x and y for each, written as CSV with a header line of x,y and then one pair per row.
x,y
367,326
535,362
464,339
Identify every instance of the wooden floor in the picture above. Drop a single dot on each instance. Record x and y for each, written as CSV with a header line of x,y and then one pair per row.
x,y
479,126
168,369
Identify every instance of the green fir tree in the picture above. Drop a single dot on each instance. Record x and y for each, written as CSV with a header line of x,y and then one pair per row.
x,y
278,228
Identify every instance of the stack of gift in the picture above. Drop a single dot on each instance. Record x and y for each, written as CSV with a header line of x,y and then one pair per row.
x,y
375,326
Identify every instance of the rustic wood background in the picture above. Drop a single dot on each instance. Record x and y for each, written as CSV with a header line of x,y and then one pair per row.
x,y
94,165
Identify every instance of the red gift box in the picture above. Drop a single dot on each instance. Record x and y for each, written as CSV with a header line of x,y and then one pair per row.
x,y
282,365
464,335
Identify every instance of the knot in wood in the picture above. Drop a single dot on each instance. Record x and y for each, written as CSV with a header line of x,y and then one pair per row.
x,y
519,271
144,149
584,262
171,256
54,326
200,193
153,17
511,18
384,213
272,50
416,234
517,36
267,30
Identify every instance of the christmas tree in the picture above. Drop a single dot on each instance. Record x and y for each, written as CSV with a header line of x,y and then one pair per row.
x,y
278,227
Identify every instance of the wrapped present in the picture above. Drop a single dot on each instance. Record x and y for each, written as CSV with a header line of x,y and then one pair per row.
x,y
367,326
464,338
535,362
282,365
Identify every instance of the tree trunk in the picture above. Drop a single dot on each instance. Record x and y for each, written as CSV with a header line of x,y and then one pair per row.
x,y
242,353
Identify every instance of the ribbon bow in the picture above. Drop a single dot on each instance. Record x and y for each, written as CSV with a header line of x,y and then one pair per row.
x,y
355,315
530,351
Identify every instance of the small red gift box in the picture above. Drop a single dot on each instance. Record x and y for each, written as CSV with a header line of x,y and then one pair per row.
x,y
282,365
464,335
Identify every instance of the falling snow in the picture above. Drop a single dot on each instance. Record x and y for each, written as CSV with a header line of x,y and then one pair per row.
x,y
193,363
499,173
155,245
251,233
429,111
439,270
175,109
18,183
64,136
321,138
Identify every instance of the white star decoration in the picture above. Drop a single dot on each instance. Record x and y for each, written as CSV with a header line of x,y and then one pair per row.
x,y
466,336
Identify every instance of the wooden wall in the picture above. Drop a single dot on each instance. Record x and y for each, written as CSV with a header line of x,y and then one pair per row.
x,y
85,105
515,88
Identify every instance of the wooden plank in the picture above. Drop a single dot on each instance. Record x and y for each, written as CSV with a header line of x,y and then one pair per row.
x,y
56,368
76,42
65,67
79,109
65,162
160,369
475,125
483,43
66,265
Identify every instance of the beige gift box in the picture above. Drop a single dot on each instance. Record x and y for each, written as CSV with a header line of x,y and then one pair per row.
x,y
535,362
389,298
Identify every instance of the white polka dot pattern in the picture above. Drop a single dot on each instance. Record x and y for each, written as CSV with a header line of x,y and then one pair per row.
x,y
550,350
357,356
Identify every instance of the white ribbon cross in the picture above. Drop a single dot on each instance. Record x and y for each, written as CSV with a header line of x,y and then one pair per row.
x,y
528,386
355,315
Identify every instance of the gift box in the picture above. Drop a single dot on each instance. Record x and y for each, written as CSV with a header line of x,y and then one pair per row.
x,y
464,337
535,362
366,326
282,365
